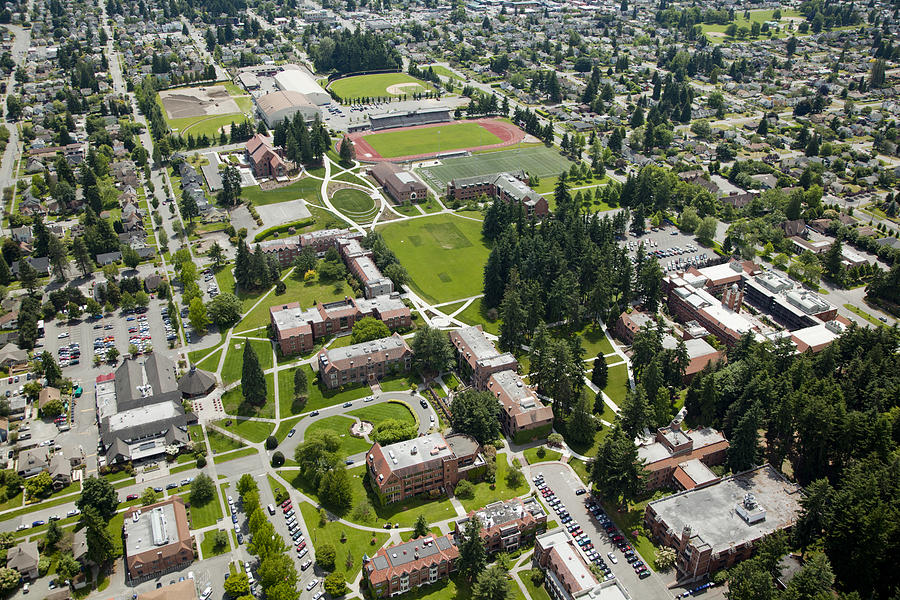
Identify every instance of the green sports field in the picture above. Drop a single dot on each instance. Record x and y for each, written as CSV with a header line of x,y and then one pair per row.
x,y
409,142
444,255
539,161
356,204
377,85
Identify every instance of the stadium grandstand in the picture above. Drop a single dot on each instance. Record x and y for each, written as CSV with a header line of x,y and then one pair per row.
x,y
425,116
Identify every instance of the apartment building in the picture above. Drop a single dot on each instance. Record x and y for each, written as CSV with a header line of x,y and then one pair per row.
x,y
507,525
364,363
673,457
403,567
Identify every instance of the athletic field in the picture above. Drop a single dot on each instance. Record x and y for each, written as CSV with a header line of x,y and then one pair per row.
x,y
444,255
378,85
539,161
443,138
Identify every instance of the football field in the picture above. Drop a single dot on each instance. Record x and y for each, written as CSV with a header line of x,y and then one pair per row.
x,y
539,161
424,140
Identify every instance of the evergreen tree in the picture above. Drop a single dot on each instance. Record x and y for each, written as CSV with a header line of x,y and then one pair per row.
x,y
635,412
513,315
253,380
618,471
581,424
600,372
82,255
472,553
59,261
5,272
743,448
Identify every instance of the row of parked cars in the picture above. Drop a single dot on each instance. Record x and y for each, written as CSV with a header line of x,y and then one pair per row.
x,y
616,537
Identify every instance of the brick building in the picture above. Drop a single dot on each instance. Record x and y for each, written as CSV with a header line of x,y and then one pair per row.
x,y
403,567
157,539
403,186
424,465
361,263
522,415
509,187
682,458
507,525
364,363
567,574
265,160
477,357
297,329
716,526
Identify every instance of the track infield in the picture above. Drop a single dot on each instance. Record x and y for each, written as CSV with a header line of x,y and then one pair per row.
x,y
378,85
539,161
424,141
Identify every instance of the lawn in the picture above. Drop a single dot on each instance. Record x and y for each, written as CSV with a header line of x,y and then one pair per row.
x,y
376,84
593,339
341,426
355,204
284,427
405,513
386,410
234,455
452,244
484,495
356,542
286,406
863,314
534,592
400,383
307,188
234,359
756,16
617,384
209,125
443,71
234,404
220,442
581,469
209,550
254,431
592,449
321,397
305,292
531,455
475,314
441,138
206,515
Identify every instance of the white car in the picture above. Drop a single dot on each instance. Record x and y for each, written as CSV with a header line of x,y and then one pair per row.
x,y
64,334
312,584
613,558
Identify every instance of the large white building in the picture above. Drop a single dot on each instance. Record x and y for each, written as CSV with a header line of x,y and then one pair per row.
x,y
298,79
277,106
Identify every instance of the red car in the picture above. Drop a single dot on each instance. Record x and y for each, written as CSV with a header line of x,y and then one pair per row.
x,y
131,497
286,508
285,503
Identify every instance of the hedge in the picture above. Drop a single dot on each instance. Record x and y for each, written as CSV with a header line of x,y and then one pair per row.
x,y
272,231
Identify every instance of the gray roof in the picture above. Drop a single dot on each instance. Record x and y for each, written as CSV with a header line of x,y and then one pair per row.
x,y
196,382
407,552
23,557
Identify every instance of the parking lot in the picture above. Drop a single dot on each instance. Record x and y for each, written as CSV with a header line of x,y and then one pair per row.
x,y
564,484
674,250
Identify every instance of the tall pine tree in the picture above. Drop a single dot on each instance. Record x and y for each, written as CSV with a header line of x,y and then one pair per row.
x,y
253,380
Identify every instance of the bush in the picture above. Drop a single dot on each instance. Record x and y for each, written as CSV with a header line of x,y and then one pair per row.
x,y
537,577
271,442
277,459
335,584
555,439
541,452
201,462
465,490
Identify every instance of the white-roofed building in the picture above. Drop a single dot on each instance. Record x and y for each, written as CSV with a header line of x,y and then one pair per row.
x,y
298,79
284,104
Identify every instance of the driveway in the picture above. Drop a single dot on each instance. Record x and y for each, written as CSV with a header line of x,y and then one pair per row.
x,y
563,481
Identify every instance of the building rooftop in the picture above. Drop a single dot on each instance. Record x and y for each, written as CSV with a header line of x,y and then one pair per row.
x,y
151,529
417,450
407,552
478,344
712,513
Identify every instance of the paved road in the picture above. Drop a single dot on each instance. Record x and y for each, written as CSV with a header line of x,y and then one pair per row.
x,y
8,163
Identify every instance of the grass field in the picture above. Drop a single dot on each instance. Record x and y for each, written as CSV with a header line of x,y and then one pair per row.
x,y
320,397
355,204
341,426
304,292
443,71
475,314
355,540
531,455
617,384
234,360
255,431
376,85
221,458
484,495
220,442
306,188
593,339
538,160
756,16
233,402
386,410
453,136
208,547
444,255
209,125
206,515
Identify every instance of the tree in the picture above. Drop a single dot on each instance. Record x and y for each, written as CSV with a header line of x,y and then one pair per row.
x,y
600,372
238,584
465,490
9,578
203,490
706,231
581,425
367,329
477,414
100,495
348,152
39,486
472,553
617,471
197,315
28,276
665,558
306,261
432,351
217,255
50,369
301,383
513,313
101,548
335,584
749,581
420,529
253,380
148,497
224,310
54,534
335,489
189,208
67,567
277,459
112,355
832,261
634,415
492,584
59,261
325,556
130,257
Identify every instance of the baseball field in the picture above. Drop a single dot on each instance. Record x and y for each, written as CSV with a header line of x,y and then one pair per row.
x,y
378,85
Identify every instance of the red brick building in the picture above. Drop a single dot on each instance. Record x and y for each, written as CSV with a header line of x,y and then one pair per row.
x,y
157,539
509,187
265,160
404,567
477,357
507,525
403,186
676,458
364,363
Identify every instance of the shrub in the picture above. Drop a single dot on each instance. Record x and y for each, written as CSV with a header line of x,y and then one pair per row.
x,y
277,459
201,462
325,555
465,490
541,452
271,442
